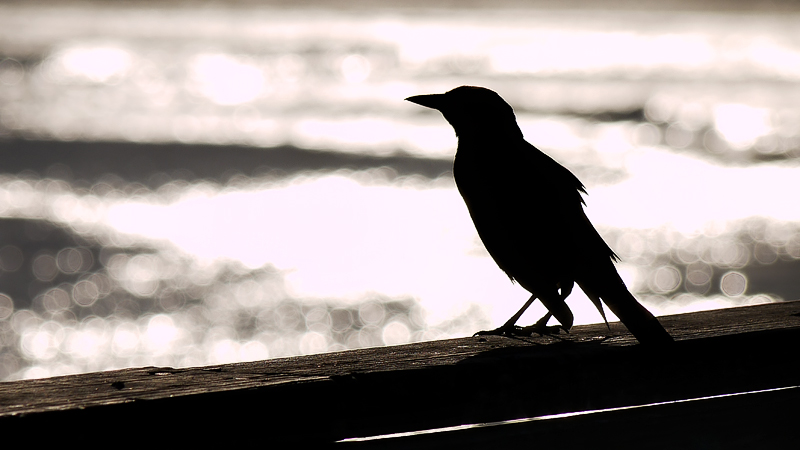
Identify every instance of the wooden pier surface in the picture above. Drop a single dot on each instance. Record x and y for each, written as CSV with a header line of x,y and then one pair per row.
x,y
730,381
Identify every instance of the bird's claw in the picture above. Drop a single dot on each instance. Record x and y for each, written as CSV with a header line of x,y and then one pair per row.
x,y
514,330
541,330
505,330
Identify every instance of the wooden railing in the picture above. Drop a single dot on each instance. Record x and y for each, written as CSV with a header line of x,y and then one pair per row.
x,y
732,380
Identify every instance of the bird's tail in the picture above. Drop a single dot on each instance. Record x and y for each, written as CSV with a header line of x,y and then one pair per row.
x,y
639,321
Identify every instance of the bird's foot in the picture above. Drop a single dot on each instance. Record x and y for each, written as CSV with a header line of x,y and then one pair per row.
x,y
505,330
541,330
520,331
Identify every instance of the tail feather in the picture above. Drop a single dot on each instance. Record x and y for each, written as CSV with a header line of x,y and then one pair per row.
x,y
596,301
639,321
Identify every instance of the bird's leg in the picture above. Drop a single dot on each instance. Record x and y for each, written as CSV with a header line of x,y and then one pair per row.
x,y
557,305
509,328
542,323
565,286
513,320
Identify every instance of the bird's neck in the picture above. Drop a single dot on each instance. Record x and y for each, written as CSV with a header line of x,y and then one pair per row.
x,y
492,132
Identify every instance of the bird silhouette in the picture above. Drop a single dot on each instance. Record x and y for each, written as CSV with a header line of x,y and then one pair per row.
x,y
528,211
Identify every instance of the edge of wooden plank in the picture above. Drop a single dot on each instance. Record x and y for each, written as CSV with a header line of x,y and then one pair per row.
x,y
490,378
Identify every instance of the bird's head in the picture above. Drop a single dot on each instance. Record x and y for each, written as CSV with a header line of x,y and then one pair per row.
x,y
471,109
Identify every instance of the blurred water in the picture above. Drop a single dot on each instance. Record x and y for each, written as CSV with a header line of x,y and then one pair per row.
x,y
186,186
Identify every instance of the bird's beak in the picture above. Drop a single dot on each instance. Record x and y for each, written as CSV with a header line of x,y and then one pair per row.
x,y
435,101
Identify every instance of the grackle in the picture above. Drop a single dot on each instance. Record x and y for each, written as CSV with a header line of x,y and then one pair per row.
x,y
528,211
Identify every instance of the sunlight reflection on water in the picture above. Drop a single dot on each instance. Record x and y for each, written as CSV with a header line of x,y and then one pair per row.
x,y
310,282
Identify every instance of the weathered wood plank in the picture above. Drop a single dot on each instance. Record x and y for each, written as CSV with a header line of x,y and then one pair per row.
x,y
425,385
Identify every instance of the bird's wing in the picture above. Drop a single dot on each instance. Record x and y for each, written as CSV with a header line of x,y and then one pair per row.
x,y
581,242
568,191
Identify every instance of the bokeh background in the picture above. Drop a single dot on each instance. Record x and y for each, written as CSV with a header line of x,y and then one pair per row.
x,y
189,183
